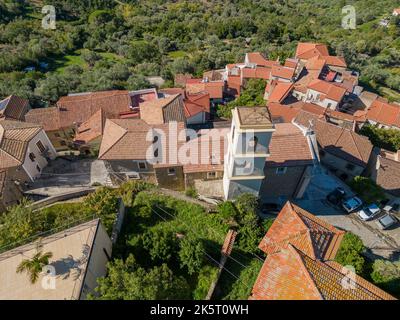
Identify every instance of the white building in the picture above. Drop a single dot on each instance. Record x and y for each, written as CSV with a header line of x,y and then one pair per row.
x,y
248,148
25,146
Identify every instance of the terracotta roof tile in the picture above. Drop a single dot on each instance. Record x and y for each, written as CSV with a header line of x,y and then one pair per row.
x,y
387,175
384,113
14,140
282,72
331,91
14,108
289,147
298,266
258,59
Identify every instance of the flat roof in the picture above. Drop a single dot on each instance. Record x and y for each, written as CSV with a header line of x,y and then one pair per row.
x,y
254,118
71,252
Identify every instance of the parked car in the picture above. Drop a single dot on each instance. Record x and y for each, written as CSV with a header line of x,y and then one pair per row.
x,y
336,196
352,204
369,212
386,221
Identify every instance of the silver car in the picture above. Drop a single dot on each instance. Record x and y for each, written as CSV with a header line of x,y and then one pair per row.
x,y
369,212
386,221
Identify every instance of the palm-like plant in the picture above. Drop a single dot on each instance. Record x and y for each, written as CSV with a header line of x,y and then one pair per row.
x,y
34,265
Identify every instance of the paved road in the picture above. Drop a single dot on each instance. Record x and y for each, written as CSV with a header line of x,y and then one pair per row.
x,y
63,176
379,243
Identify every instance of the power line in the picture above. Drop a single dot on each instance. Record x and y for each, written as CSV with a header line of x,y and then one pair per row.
x,y
215,232
210,257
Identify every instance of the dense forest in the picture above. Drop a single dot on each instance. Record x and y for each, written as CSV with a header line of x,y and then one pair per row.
x,y
107,44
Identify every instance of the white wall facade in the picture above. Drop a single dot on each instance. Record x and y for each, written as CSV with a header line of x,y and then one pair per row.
x,y
34,168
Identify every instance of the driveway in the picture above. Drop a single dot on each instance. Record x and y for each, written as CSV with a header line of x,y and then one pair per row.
x,y
67,174
380,244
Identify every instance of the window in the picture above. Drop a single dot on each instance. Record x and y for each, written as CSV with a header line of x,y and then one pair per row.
x,y
40,146
281,170
329,105
155,139
32,156
350,167
142,165
252,145
171,171
38,168
156,153
211,175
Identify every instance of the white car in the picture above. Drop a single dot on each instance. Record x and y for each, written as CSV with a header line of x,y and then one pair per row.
x,y
369,212
352,204
386,221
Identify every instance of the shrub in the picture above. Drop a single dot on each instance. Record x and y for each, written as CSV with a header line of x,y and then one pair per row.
x,y
191,192
349,253
367,189
102,203
205,278
386,274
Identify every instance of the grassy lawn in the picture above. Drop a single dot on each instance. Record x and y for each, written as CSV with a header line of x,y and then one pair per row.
x,y
176,54
59,63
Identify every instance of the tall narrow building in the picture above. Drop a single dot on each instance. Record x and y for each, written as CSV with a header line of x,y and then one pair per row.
x,y
248,149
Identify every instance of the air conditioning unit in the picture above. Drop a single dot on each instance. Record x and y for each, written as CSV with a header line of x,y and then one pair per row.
x,y
132,175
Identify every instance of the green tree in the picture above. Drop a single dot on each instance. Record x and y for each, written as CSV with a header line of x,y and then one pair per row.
x,y
34,266
128,281
368,190
191,254
160,243
102,203
251,96
350,253
386,274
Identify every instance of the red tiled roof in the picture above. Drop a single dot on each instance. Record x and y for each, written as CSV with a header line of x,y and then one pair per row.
x,y
291,63
91,129
213,88
335,61
384,113
341,142
305,49
130,139
288,147
387,175
282,72
258,59
13,108
234,85
280,92
331,91
48,118
256,73
196,103
298,266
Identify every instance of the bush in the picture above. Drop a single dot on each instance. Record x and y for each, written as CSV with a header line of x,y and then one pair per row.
x,y
102,203
386,274
350,253
367,189
382,138
160,243
205,278
191,254
191,192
